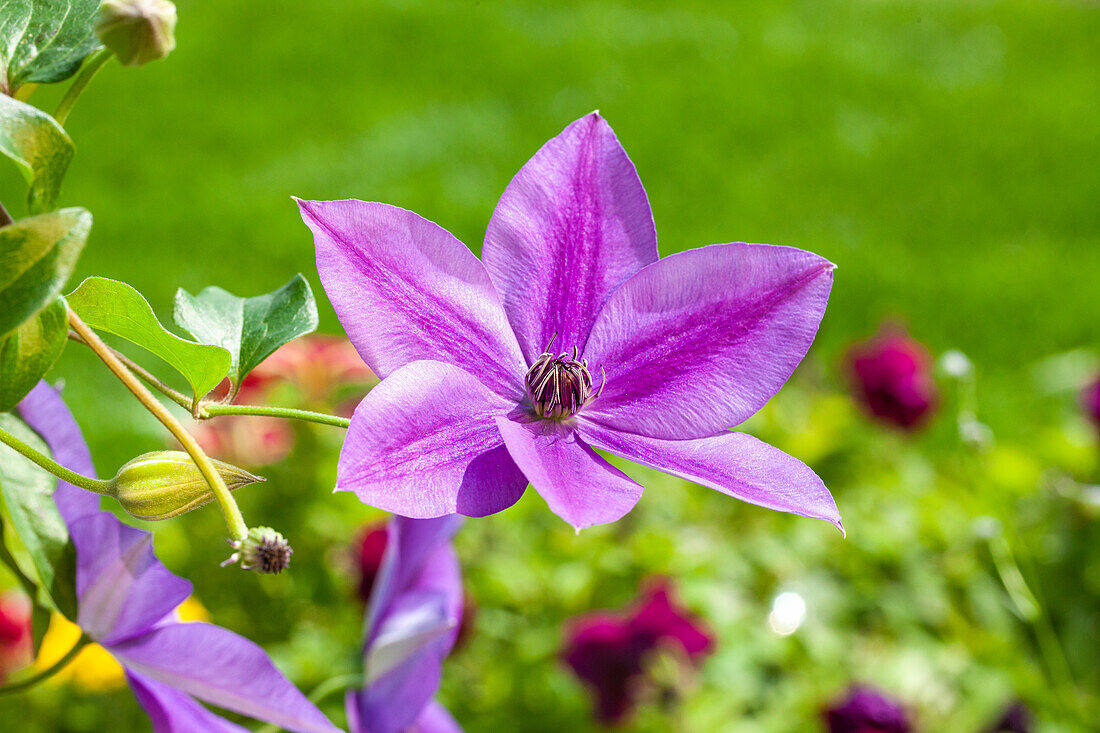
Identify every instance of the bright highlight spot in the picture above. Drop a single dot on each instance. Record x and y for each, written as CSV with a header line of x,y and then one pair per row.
x,y
788,613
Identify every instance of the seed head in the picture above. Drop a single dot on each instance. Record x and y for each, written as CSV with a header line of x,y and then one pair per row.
x,y
263,550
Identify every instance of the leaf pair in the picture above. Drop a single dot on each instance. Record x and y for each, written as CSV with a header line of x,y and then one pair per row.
x,y
235,334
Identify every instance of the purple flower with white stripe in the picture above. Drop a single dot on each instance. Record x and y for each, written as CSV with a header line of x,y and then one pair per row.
x,y
570,334
412,621
127,601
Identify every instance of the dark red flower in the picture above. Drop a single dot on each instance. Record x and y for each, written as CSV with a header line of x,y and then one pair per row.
x,y
1090,401
609,650
371,547
15,633
892,375
866,710
1016,718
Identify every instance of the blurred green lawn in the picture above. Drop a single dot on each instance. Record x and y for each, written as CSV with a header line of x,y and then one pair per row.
x,y
944,154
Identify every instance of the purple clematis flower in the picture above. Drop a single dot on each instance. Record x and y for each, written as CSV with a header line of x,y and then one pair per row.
x,y
866,710
609,651
569,335
412,620
127,601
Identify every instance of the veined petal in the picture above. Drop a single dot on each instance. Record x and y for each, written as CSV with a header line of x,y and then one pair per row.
x,y
423,444
224,669
699,341
736,464
49,416
571,227
405,289
580,486
123,588
171,711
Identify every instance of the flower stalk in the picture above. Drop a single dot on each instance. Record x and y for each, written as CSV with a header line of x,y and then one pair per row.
x,y
53,669
91,68
238,530
48,464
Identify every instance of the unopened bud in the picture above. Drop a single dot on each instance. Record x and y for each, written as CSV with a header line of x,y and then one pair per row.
x,y
138,31
263,550
167,483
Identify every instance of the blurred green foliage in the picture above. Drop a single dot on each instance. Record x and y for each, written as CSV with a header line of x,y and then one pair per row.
x,y
944,155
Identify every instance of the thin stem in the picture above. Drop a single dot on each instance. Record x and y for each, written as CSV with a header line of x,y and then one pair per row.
x,y
214,409
148,377
238,530
91,67
91,484
56,667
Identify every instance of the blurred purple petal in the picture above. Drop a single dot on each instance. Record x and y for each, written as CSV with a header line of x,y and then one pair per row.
x,y
413,619
406,290
436,719
47,413
423,444
123,588
170,711
571,227
699,341
578,485
224,669
736,464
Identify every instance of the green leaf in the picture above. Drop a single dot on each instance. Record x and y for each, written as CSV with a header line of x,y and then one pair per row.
x,y
44,40
30,350
40,148
28,500
249,328
115,307
37,255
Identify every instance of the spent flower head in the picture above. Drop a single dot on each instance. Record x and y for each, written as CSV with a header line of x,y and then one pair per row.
x,y
569,335
263,550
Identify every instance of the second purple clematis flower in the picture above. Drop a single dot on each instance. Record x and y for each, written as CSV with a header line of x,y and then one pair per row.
x,y
570,334
127,604
412,621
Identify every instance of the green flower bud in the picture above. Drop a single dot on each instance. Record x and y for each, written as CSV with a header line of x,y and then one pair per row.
x,y
263,550
138,31
167,483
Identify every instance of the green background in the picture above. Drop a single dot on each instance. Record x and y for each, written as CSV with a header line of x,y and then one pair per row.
x,y
943,154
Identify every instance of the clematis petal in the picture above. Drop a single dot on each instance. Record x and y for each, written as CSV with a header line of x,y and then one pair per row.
x,y
49,416
411,546
699,341
419,626
171,711
580,486
221,668
436,719
423,444
571,227
736,464
123,588
405,289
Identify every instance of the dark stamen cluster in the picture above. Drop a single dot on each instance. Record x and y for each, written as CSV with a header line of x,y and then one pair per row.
x,y
558,385
263,550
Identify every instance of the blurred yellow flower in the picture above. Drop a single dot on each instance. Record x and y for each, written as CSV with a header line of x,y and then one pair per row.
x,y
94,668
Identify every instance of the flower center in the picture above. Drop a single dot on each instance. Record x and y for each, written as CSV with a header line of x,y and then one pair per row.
x,y
559,385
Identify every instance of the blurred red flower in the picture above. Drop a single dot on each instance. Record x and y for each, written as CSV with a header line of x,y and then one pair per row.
x,y
892,376
15,633
1090,400
866,710
610,651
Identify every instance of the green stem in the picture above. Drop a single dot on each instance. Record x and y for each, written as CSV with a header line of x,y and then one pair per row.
x,y
215,409
321,691
74,478
56,667
238,530
91,67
